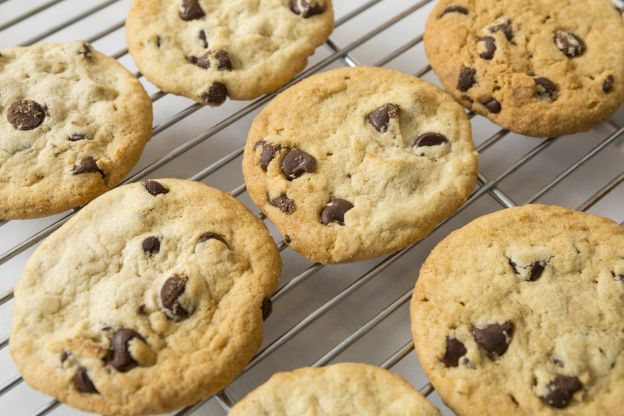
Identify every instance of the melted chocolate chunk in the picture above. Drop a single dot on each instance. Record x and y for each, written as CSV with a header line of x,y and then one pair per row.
x,y
545,88
430,139
26,115
560,391
455,349
537,268
151,245
306,8
155,188
380,118
202,62
212,236
489,44
64,356
493,106
296,163
453,9
203,38
223,60
82,382
87,165
169,293
269,151
607,84
285,204
191,10
335,211
267,308
494,338
466,79
215,95
121,358
77,137
570,44
505,27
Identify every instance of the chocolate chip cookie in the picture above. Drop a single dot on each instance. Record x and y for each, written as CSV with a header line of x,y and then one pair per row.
x,y
150,298
359,162
341,389
209,50
73,122
521,312
538,67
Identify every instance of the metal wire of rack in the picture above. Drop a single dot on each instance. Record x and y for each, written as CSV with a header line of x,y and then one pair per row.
x,y
352,48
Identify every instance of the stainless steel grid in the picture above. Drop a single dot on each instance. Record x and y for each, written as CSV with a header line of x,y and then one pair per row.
x,y
558,170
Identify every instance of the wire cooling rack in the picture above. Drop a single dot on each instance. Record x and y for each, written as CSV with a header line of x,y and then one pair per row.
x,y
322,314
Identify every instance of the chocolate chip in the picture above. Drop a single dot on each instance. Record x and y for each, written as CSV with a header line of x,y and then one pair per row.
x,y
560,391
493,105
334,211
505,27
151,245
381,117
285,204
537,268
170,292
466,79
65,355
619,277
296,163
267,308
82,382
86,51
287,239
87,165
122,359
269,151
545,88
25,115
202,62
223,60
607,84
453,9
494,338
215,95
141,309
203,38
212,236
455,349
155,188
77,137
191,10
158,40
490,48
570,44
430,139
306,8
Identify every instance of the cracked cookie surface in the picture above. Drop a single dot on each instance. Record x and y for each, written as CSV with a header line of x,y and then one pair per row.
x,y
73,123
209,50
340,389
150,298
541,67
521,312
359,162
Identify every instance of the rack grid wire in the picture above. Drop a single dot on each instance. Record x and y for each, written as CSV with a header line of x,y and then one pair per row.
x,y
322,314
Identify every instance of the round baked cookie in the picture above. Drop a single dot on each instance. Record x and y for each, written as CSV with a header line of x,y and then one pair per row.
x,y
359,162
150,298
538,67
73,123
521,312
341,389
209,50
